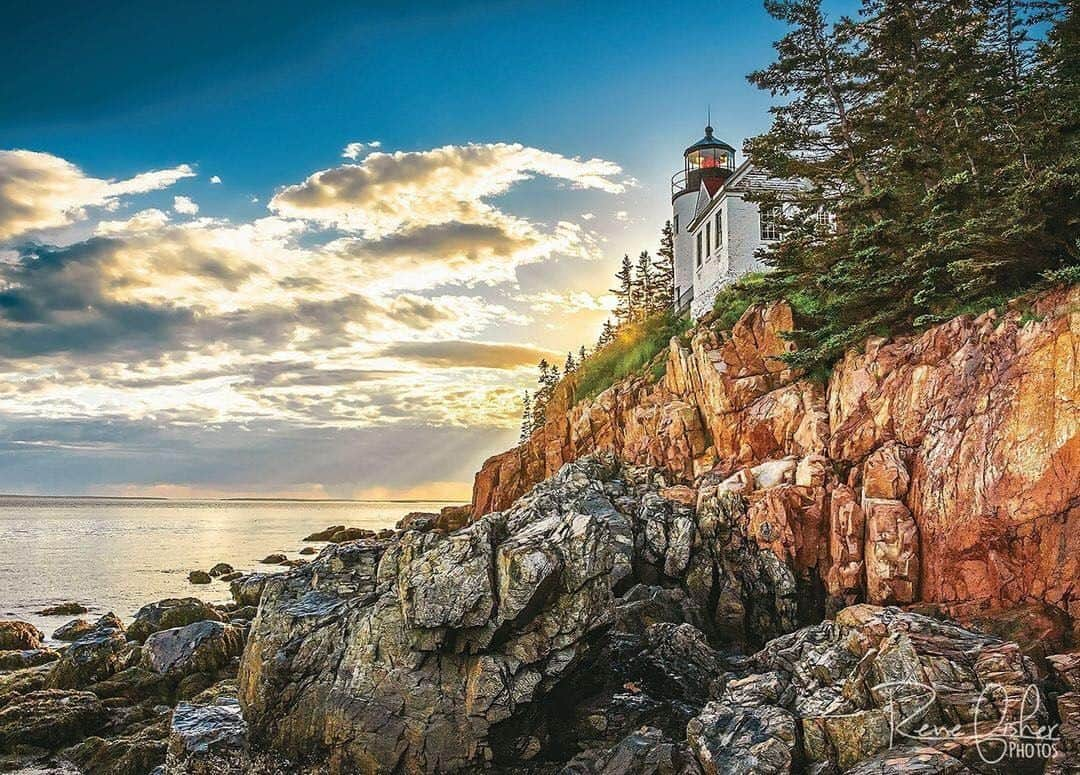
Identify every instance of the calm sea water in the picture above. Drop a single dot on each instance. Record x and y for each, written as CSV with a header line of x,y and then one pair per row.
x,y
117,555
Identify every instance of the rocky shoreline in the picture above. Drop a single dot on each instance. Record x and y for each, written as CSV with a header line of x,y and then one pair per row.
x,y
600,624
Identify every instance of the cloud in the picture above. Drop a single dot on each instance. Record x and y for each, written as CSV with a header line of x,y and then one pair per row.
x,y
40,191
354,150
388,192
215,179
184,205
464,354
622,215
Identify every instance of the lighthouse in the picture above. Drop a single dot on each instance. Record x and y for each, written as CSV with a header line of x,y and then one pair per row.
x,y
706,165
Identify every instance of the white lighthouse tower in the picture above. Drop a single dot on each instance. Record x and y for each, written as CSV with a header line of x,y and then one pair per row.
x,y
707,164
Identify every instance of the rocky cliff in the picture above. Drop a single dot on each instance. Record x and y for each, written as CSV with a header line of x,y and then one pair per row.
x,y
940,468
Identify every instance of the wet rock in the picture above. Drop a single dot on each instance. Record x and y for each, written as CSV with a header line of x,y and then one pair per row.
x,y
247,590
93,657
309,550
243,614
202,647
20,682
911,760
199,577
221,569
325,535
16,635
295,563
64,609
208,739
169,613
730,739
132,754
645,752
22,659
421,521
76,628
49,719
232,576
273,559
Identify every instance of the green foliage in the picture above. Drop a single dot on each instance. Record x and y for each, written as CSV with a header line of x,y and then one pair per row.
x,y
633,348
734,299
943,139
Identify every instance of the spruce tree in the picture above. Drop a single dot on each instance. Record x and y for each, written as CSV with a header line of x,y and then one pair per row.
x,y
664,269
526,418
625,308
569,366
945,144
581,355
643,286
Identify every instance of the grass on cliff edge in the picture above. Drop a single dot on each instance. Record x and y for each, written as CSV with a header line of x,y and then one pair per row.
x,y
635,346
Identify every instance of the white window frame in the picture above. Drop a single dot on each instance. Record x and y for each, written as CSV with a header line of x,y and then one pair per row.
x,y
719,226
769,227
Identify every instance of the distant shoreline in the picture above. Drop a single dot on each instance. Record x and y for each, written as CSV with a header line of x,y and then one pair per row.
x,y
253,499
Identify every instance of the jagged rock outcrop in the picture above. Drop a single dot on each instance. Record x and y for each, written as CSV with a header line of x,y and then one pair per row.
x,y
939,468
433,652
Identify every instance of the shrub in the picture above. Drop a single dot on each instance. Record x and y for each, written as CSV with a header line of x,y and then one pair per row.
x,y
634,347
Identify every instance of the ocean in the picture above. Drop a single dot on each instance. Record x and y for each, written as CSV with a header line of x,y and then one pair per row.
x,y
119,554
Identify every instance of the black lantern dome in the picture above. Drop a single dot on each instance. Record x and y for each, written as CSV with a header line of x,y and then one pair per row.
x,y
707,159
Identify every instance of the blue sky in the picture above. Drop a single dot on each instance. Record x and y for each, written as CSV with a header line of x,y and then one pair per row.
x,y
398,331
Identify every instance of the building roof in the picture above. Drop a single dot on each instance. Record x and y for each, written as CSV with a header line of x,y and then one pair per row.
x,y
708,141
746,178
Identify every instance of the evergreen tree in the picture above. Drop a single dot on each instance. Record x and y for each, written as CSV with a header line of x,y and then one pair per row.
x,y
944,143
569,366
625,292
664,269
581,355
643,286
607,333
526,418
548,378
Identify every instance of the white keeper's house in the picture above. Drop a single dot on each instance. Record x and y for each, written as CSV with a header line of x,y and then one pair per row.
x,y
717,231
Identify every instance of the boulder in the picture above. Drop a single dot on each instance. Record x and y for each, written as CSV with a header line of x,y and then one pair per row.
x,y
325,535
221,569
308,550
22,659
199,577
16,635
911,760
732,739
64,609
234,575
201,647
93,657
273,559
76,628
247,590
168,613
130,754
49,719
208,739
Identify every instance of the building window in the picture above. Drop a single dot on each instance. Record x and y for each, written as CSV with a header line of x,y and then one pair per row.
x,y
675,226
719,228
770,222
699,248
708,239
824,219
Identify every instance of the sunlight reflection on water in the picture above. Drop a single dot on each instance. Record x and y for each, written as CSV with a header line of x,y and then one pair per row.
x,y
117,555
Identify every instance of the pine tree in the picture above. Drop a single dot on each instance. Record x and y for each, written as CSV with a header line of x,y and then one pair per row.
x,y
664,269
646,303
547,379
569,366
625,294
607,334
945,144
581,355
526,418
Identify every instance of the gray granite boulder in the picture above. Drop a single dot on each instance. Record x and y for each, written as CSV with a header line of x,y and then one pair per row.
x,y
169,613
201,647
